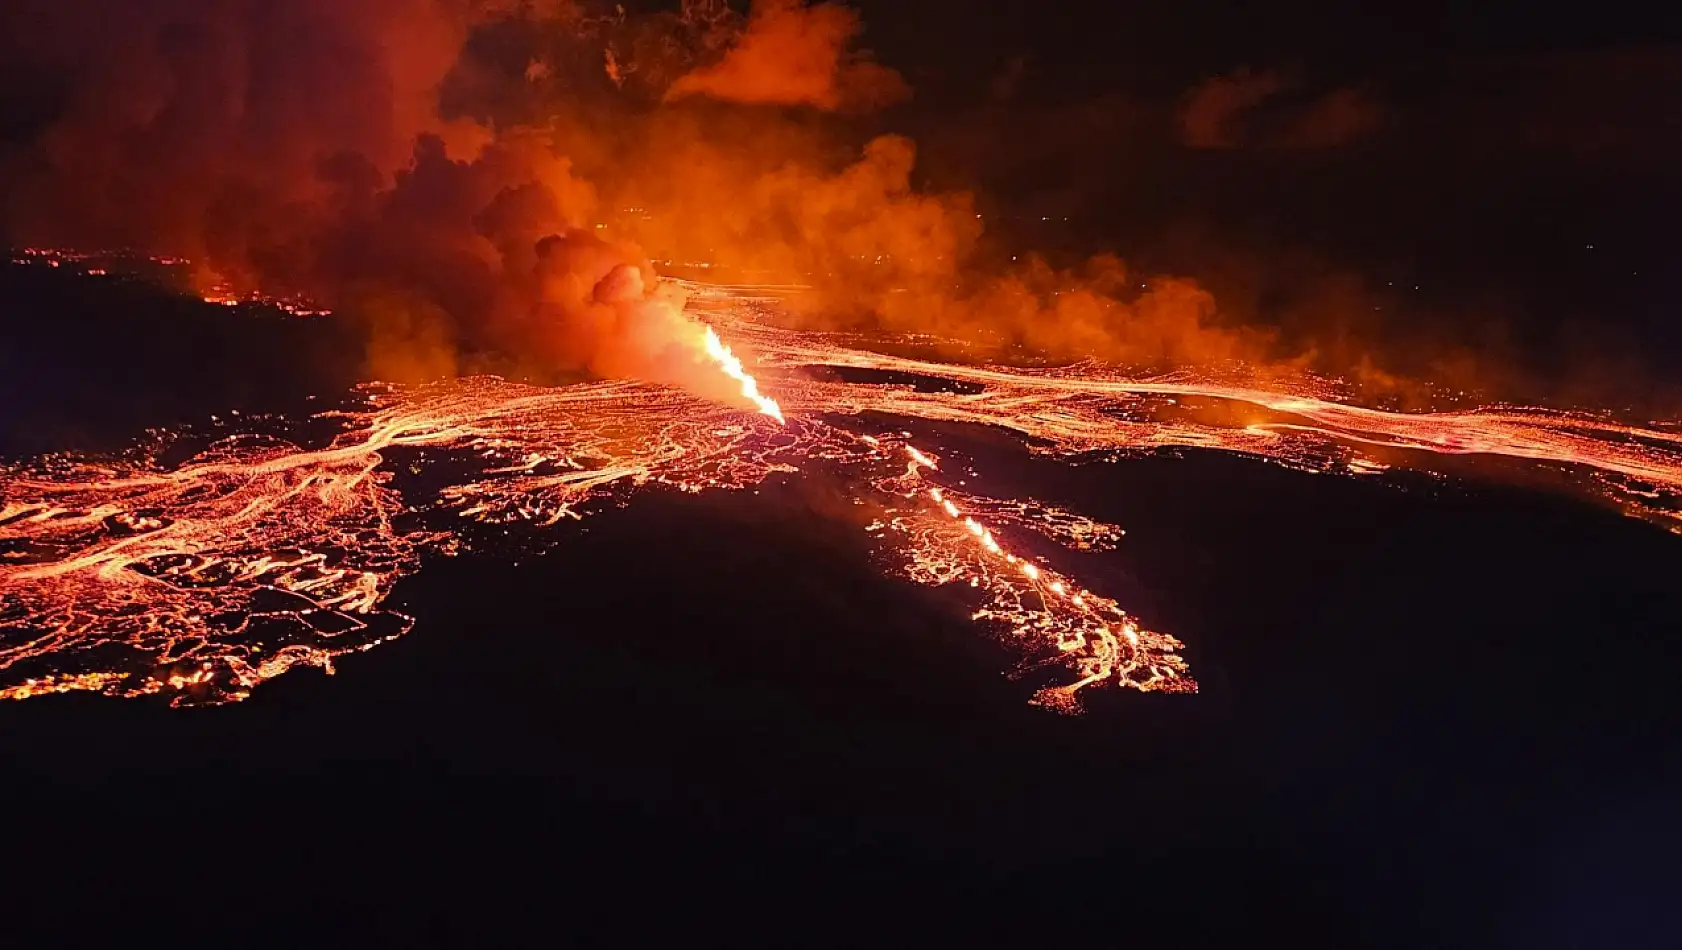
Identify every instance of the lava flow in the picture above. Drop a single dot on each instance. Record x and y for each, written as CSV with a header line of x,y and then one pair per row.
x,y
268,549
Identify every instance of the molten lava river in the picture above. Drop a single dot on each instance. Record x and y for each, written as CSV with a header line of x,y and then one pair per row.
x,y
198,571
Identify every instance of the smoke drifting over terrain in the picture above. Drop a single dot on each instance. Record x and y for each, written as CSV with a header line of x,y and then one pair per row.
x,y
475,178
462,176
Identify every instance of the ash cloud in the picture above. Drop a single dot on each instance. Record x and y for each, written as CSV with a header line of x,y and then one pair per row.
x,y
790,54
308,146
1266,109
1212,110
482,184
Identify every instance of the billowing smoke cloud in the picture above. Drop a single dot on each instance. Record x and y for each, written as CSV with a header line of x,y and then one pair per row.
x,y
1248,108
482,183
794,55
877,253
177,109
1212,110
304,146
1338,118
599,310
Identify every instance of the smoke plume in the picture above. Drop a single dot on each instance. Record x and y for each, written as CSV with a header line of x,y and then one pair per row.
x,y
483,183
793,55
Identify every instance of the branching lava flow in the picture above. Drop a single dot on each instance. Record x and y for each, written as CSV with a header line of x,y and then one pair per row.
x,y
200,580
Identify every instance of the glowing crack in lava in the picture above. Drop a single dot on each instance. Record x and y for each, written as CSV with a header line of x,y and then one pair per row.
x,y
278,546
258,555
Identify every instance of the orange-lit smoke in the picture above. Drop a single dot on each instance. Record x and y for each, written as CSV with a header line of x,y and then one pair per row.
x,y
794,55
1219,113
403,162
600,309
877,253
370,156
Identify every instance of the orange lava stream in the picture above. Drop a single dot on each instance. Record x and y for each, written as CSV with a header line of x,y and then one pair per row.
x,y
1093,408
261,553
1082,625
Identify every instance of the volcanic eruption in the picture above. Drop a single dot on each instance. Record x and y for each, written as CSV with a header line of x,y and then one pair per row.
x,y
484,208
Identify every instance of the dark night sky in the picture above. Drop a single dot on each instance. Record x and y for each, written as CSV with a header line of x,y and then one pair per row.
x,y
1515,162
1161,46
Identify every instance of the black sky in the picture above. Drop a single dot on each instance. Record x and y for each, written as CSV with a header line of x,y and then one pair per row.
x,y
1516,162
1098,46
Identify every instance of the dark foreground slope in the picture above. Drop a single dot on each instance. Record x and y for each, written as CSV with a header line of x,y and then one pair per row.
x,y
1431,717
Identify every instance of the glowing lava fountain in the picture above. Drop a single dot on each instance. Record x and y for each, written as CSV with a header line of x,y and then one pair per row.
x,y
732,368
